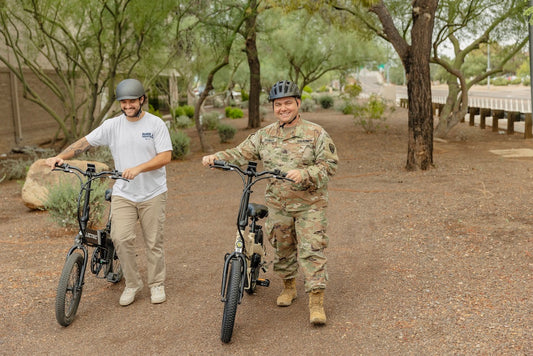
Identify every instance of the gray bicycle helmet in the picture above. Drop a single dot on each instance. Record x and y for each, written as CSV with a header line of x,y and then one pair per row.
x,y
283,89
129,89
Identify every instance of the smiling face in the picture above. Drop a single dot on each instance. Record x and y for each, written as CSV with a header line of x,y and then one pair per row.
x,y
131,107
285,109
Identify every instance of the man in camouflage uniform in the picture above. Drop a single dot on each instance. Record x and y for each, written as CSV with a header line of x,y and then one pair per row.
x,y
296,224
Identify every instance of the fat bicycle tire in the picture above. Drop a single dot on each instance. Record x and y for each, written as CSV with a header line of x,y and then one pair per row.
x,y
232,299
68,293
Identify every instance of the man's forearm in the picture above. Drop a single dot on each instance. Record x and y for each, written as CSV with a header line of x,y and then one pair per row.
x,y
75,149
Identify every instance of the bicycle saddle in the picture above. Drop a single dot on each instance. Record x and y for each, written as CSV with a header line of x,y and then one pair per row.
x,y
257,210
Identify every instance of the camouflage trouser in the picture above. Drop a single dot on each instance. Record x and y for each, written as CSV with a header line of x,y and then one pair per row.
x,y
299,239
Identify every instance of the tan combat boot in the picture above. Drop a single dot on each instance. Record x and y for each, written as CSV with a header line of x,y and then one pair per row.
x,y
288,294
316,307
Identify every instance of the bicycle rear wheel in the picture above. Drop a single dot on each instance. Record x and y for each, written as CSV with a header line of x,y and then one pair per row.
x,y
69,290
232,299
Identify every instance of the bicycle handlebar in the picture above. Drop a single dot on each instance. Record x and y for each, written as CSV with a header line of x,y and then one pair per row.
x,y
89,173
250,171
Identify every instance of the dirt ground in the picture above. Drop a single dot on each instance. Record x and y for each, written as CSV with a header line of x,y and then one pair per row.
x,y
420,263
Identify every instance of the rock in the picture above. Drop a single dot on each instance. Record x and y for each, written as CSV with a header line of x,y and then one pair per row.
x,y
40,177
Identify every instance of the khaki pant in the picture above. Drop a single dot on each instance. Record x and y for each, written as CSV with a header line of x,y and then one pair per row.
x,y
151,215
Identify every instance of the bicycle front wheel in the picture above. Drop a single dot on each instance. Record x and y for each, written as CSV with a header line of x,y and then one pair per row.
x,y
232,299
69,290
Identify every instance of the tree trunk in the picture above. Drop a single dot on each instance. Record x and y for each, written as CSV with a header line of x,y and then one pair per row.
x,y
420,143
415,59
254,116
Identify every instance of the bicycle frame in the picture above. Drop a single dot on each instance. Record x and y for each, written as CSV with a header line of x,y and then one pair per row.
x,y
246,247
88,237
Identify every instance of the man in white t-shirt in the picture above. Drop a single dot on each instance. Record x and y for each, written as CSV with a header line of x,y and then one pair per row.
x,y
141,147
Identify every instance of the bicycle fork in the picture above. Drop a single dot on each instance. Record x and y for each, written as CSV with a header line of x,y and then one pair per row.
x,y
79,246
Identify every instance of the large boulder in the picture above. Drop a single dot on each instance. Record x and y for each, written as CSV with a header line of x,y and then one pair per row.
x,y
40,177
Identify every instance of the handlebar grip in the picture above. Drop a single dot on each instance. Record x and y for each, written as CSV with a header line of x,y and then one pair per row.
x,y
62,166
217,162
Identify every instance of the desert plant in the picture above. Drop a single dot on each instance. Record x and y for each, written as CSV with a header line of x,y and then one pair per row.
x,y
182,122
180,144
226,132
13,169
308,105
233,113
210,120
371,115
62,202
189,111
353,90
326,101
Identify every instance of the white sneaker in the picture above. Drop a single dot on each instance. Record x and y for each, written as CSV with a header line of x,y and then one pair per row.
x,y
157,294
128,296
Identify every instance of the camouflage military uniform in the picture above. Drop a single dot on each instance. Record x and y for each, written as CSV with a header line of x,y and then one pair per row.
x,y
296,224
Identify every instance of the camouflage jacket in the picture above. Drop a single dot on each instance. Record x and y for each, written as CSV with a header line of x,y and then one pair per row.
x,y
305,146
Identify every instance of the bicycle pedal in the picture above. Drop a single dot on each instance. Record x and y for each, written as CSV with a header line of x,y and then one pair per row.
x,y
263,282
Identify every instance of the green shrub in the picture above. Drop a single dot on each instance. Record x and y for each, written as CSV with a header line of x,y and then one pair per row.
x,y
371,116
179,111
308,89
233,113
210,120
353,90
14,169
226,132
99,154
180,144
182,122
153,110
326,101
306,97
308,105
62,202
244,95
189,110
500,82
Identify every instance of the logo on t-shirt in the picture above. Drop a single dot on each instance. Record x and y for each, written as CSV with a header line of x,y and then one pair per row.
x,y
148,135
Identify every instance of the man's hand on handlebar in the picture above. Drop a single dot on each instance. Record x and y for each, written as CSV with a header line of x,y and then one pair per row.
x,y
53,162
208,160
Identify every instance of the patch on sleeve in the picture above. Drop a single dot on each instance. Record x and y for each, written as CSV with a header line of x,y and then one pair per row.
x,y
332,148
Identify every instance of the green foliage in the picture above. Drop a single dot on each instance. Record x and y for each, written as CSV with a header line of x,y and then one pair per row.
x,y
371,115
210,120
180,144
307,89
182,122
184,110
244,95
153,111
308,105
179,111
306,96
500,81
226,132
189,110
14,169
62,202
99,154
353,90
326,101
233,113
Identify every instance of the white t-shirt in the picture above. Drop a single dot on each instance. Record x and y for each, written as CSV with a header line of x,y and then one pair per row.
x,y
133,143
